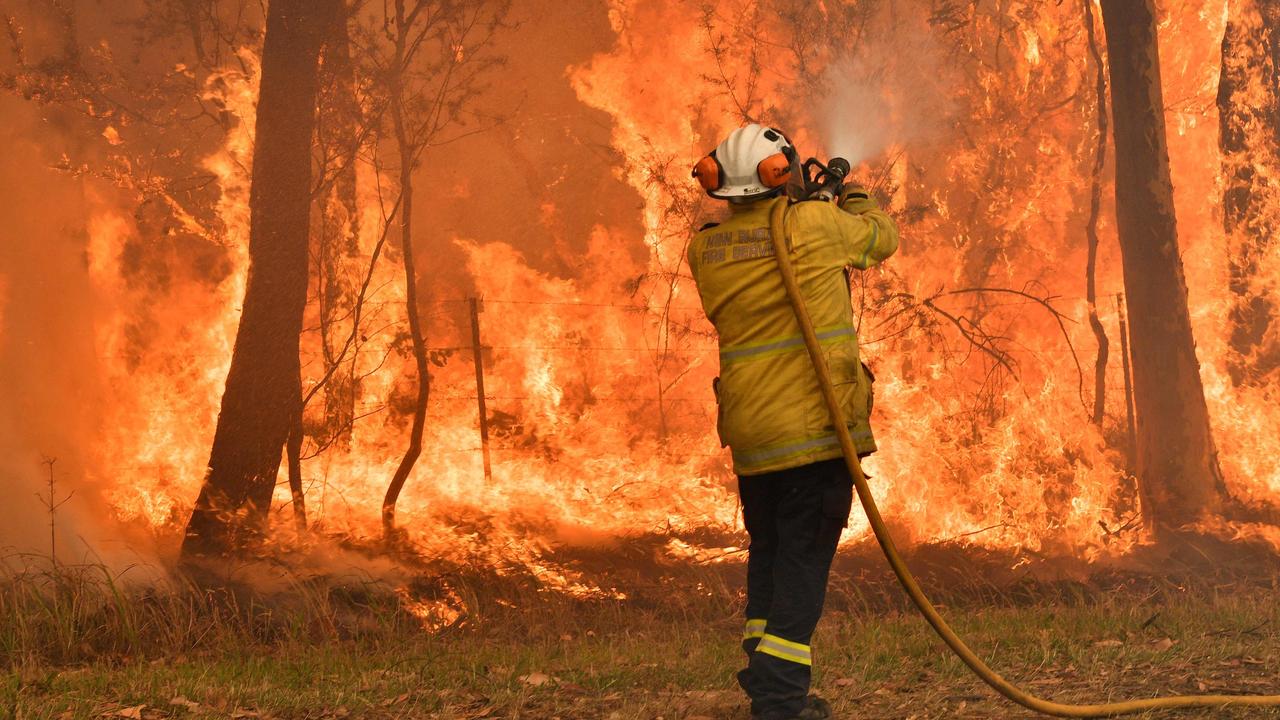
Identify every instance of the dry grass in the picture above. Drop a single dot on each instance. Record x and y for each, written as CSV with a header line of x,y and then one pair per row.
x,y
78,645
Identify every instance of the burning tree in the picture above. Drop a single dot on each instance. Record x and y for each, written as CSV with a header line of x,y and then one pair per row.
x,y
1249,137
1177,463
430,58
261,403
422,84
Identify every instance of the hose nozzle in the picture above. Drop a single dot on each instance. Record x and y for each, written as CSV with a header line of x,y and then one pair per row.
x,y
830,178
839,167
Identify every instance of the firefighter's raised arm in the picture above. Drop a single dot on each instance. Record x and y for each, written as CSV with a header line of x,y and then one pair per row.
x,y
867,234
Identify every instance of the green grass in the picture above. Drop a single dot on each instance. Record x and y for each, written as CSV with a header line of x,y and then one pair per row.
x,y
78,646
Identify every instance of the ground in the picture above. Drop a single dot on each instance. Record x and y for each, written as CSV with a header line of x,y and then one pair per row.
x,y
537,656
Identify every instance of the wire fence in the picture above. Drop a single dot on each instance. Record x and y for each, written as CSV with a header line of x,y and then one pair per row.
x,y
687,403
450,312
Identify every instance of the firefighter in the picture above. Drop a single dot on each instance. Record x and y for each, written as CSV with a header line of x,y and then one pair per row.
x,y
795,489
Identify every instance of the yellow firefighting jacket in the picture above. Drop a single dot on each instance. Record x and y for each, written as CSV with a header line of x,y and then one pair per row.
x,y
771,412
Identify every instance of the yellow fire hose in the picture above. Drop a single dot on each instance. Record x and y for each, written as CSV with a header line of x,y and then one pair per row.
x,y
777,221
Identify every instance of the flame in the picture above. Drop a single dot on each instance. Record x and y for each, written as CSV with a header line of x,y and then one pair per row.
x,y
598,377
434,615
166,357
1015,474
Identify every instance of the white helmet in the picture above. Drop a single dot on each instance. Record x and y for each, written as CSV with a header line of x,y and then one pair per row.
x,y
752,162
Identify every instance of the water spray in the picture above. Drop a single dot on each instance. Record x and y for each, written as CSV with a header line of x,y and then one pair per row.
x,y
825,184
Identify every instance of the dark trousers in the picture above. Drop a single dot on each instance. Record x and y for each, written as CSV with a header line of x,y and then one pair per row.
x,y
794,518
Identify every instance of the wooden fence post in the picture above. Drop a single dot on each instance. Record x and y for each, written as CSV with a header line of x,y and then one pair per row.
x,y
1131,421
477,351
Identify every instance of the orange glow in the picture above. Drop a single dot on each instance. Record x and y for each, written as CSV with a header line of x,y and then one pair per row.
x,y
598,376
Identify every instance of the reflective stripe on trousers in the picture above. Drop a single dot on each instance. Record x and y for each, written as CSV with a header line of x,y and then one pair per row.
x,y
785,649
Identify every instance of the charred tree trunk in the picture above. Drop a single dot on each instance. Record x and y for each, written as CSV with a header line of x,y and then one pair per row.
x,y
1249,137
409,150
1177,466
261,396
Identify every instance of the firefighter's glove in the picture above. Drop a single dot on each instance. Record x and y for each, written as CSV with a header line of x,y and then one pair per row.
x,y
855,199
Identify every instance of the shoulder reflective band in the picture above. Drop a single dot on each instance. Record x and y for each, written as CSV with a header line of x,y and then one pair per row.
x,y
786,344
785,649
755,630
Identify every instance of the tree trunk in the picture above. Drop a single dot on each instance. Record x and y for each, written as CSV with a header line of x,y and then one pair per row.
x,y
1249,131
293,453
1177,467
1091,227
261,396
408,147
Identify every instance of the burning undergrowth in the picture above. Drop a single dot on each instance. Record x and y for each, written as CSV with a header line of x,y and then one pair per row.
x,y
349,594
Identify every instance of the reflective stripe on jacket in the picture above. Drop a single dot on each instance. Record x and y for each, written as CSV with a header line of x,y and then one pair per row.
x,y
772,415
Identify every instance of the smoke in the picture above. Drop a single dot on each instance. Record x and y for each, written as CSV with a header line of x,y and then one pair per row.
x,y
887,92
48,362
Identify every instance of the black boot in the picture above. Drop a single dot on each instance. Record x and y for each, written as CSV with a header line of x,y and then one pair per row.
x,y
815,709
